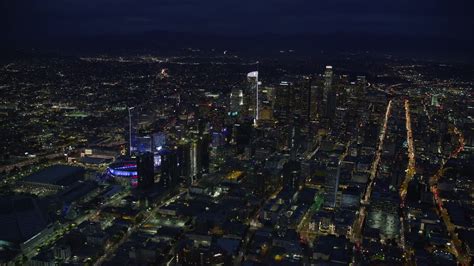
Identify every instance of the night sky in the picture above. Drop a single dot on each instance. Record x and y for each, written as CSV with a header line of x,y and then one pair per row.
x,y
44,19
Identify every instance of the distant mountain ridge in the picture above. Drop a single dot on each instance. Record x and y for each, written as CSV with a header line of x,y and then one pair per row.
x,y
252,44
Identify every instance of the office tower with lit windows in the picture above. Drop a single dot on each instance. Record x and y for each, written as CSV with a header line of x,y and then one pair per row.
x,y
143,144
293,102
133,116
361,82
266,97
194,161
435,100
314,97
331,184
159,141
329,95
252,96
199,157
236,102
328,79
301,101
282,101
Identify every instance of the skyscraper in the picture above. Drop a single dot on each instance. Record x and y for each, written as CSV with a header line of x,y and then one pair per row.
x,y
194,161
145,169
199,157
282,101
434,100
265,106
328,75
242,134
159,141
314,105
183,159
292,175
300,99
329,95
132,129
236,102
258,183
205,141
253,96
361,81
169,169
332,184
331,105
143,144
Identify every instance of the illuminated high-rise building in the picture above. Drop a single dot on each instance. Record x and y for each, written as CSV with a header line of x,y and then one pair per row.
x,y
282,101
194,161
314,101
159,141
252,96
266,97
329,95
199,157
132,130
361,81
236,102
361,84
301,100
143,144
328,76
434,100
332,184
217,139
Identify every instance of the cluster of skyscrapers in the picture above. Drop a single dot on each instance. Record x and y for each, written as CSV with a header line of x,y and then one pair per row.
x,y
305,99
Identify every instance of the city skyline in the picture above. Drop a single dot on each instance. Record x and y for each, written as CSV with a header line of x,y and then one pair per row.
x,y
274,132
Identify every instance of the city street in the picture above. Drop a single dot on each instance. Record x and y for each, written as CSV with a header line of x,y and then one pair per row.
x,y
358,225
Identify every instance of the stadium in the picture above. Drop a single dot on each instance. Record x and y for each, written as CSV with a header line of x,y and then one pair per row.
x,y
125,171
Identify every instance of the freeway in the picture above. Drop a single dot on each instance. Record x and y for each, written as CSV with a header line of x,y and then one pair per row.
x,y
357,232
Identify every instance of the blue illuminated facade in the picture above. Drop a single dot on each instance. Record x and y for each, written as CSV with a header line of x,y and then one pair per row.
x,y
124,170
